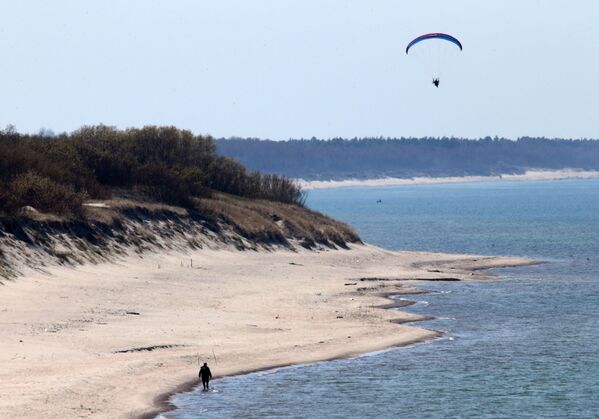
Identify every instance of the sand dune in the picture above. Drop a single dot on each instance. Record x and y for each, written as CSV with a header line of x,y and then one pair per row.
x,y
111,340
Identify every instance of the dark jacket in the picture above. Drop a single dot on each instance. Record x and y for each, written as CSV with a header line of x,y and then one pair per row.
x,y
205,373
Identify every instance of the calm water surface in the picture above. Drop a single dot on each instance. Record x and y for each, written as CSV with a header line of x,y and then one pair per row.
x,y
526,346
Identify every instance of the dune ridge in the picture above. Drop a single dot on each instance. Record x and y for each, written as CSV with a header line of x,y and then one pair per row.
x,y
112,229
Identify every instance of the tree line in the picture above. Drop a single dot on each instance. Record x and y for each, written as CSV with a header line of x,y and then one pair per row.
x,y
57,174
337,158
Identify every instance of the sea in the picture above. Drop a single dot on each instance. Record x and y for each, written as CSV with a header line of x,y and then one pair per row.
x,y
523,347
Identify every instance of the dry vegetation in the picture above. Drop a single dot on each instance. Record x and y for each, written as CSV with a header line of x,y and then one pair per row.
x,y
275,222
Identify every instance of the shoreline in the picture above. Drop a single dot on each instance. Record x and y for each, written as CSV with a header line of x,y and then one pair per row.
x,y
164,404
120,338
528,176
163,401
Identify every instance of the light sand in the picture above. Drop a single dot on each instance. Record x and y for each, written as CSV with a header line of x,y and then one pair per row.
x,y
529,175
239,311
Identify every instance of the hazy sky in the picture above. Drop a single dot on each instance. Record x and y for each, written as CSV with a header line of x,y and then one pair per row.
x,y
279,69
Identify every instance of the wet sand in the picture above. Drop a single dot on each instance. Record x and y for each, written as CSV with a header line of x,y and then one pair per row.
x,y
115,340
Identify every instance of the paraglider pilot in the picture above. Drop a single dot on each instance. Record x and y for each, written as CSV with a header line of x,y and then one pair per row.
x,y
436,82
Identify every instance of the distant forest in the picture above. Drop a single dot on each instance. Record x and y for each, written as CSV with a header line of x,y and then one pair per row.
x,y
365,158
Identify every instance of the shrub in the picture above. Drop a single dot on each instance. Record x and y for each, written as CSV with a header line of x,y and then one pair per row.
x,y
43,194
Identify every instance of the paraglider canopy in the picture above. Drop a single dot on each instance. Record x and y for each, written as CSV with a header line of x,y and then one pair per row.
x,y
437,35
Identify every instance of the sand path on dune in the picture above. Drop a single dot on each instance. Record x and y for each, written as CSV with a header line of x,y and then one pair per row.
x,y
110,340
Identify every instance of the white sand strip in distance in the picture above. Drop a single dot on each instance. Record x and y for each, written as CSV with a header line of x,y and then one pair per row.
x,y
530,175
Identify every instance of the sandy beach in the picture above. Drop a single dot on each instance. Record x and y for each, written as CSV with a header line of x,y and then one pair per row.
x,y
113,340
529,175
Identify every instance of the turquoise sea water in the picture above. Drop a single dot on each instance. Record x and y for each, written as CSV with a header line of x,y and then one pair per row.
x,y
526,346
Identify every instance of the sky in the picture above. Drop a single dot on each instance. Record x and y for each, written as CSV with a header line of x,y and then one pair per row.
x,y
284,69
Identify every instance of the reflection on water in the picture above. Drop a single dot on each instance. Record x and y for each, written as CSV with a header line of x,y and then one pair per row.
x,y
521,347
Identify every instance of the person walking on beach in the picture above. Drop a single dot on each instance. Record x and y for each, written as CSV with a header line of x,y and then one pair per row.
x,y
205,375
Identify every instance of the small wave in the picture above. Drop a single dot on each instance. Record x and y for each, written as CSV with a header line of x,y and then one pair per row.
x,y
439,292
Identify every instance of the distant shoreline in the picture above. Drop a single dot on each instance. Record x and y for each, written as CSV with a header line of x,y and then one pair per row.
x,y
529,175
